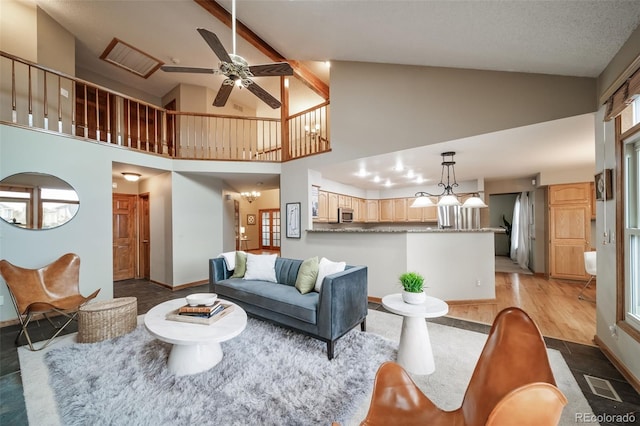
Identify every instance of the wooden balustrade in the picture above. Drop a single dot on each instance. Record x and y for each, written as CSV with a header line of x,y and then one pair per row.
x,y
39,98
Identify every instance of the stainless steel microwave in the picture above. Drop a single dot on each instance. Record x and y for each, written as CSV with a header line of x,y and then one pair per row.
x,y
345,215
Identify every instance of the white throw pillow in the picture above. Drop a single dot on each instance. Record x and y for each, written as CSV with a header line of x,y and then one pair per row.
x,y
325,268
261,267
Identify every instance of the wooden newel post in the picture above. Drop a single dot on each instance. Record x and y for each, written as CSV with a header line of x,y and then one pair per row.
x,y
284,120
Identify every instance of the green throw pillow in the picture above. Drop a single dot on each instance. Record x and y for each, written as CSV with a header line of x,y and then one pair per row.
x,y
307,274
241,265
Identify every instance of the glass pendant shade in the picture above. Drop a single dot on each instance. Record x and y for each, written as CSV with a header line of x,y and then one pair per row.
x,y
422,202
474,202
449,200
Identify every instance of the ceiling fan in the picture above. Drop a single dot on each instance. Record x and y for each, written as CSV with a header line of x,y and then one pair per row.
x,y
236,69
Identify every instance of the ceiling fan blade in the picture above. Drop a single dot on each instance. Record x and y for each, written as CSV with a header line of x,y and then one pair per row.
x,y
170,68
263,95
223,95
276,68
214,43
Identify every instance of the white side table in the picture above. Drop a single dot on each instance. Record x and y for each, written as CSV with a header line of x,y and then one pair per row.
x,y
414,351
196,347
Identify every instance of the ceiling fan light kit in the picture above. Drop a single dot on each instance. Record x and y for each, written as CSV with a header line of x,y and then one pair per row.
x,y
236,69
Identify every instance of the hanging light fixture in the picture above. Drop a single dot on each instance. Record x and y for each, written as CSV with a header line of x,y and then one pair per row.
x,y
250,196
448,182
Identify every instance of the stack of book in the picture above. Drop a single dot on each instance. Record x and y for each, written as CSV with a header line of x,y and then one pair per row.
x,y
201,314
202,311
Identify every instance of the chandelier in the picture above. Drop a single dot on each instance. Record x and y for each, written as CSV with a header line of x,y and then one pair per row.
x,y
447,197
250,196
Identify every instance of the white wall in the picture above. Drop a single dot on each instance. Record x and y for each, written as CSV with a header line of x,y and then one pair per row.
x,y
197,211
89,233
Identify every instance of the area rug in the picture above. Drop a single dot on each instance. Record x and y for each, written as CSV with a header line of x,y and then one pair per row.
x,y
123,381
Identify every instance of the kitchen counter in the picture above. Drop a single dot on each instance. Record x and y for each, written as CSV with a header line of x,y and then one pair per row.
x,y
399,230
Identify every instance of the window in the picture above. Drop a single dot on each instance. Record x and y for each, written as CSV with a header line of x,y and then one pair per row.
x,y
631,170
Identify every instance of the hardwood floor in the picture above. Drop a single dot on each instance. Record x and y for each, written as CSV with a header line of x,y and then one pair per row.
x,y
553,305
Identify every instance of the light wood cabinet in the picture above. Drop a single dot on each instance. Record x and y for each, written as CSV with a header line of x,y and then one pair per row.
x,y
569,229
385,210
344,201
359,207
323,208
372,211
400,210
332,205
421,214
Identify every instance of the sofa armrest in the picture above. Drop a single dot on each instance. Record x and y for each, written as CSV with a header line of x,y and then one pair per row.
x,y
217,272
343,302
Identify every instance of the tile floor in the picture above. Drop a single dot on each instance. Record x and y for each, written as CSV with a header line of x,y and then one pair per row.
x,y
581,359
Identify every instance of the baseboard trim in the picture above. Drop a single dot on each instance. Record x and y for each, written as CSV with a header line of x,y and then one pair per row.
x,y
180,287
633,381
450,302
472,302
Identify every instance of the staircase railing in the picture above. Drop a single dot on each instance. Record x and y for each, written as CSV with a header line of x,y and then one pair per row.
x,y
39,98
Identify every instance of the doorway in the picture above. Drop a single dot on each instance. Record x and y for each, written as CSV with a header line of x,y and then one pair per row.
x,y
131,236
270,229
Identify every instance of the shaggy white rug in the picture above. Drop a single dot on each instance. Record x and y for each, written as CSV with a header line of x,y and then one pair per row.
x,y
445,387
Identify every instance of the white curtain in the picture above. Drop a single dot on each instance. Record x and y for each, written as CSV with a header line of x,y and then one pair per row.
x,y
520,244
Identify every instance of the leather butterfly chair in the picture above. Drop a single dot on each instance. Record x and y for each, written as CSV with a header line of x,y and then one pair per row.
x,y
51,289
512,384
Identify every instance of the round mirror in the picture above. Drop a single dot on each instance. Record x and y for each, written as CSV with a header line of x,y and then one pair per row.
x,y
37,201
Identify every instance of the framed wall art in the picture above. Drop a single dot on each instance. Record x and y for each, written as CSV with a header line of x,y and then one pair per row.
x,y
251,219
604,185
293,220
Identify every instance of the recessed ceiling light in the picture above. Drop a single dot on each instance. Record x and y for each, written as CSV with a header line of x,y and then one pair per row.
x,y
362,172
376,179
387,183
419,179
399,167
410,174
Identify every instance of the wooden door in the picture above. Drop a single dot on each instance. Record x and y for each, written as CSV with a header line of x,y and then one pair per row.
x,y
569,230
124,236
145,237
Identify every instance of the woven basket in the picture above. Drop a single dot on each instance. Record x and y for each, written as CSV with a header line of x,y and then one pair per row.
x,y
107,319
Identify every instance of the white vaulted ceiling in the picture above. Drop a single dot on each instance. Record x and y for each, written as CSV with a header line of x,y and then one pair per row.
x,y
565,37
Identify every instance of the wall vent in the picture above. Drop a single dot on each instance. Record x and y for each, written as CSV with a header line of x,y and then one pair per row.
x,y
238,107
134,60
602,387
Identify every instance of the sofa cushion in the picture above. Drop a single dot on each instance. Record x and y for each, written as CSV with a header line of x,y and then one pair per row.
x,y
283,299
287,270
240,265
261,267
327,267
307,274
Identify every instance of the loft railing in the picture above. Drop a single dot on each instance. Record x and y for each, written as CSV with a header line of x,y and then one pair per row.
x,y
40,98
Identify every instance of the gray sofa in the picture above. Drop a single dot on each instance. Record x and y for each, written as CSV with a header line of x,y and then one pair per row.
x,y
328,315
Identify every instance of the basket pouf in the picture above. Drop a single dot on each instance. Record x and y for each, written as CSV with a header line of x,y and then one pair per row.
x,y
107,319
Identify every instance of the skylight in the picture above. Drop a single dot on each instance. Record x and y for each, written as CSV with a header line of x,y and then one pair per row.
x,y
134,60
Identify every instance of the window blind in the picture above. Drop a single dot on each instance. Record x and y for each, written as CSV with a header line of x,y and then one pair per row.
x,y
622,97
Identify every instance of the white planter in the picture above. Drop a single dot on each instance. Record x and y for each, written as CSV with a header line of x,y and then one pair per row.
x,y
414,298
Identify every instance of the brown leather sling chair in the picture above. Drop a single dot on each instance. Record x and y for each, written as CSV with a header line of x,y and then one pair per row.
x,y
512,384
51,289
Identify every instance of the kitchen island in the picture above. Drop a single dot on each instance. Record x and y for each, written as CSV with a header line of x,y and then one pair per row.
x,y
457,264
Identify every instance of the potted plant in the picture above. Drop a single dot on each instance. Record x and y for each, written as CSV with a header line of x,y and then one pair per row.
x,y
413,285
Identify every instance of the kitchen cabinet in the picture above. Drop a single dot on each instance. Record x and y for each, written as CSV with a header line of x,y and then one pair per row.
x,y
385,210
372,211
332,205
323,208
400,210
344,201
421,214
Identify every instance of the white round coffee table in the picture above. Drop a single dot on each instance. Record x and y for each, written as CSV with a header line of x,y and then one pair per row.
x,y
414,351
196,347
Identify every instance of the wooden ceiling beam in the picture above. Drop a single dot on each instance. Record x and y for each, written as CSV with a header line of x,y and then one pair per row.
x,y
299,70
